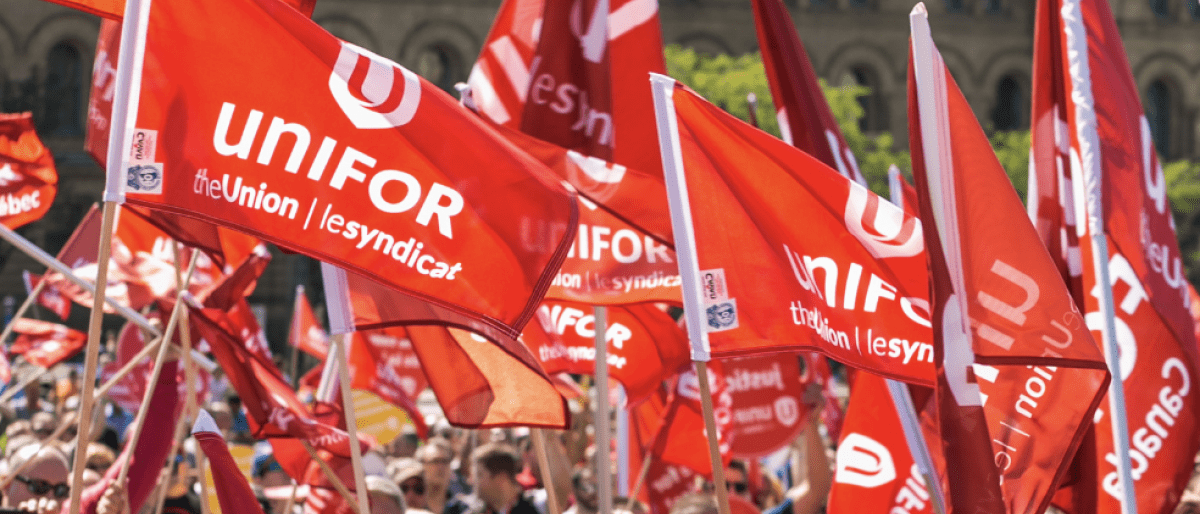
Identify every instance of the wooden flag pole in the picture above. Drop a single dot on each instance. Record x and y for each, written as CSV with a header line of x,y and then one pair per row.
x,y
128,367
539,446
641,479
152,381
622,415
342,351
663,88
93,350
294,359
291,501
333,478
12,391
603,431
37,290
752,107
12,473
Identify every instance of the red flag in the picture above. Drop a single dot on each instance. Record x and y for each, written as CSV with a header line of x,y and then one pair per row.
x,y
45,344
1088,117
306,334
792,255
28,180
875,471
550,69
804,116
645,346
227,248
272,407
381,192
832,414
130,391
383,362
1019,378
49,298
498,383
233,491
768,409
613,263
682,440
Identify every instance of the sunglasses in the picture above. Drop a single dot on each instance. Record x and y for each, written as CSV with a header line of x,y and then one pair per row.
x,y
738,487
415,487
39,487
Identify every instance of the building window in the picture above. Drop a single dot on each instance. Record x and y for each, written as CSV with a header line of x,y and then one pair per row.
x,y
1160,8
860,4
1194,9
954,6
993,6
1158,114
439,64
875,117
1010,105
62,111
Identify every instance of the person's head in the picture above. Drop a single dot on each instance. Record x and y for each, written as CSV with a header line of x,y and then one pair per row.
x,y
405,444
737,479
584,488
494,468
435,456
411,480
695,503
45,475
385,497
43,425
222,415
17,428
99,458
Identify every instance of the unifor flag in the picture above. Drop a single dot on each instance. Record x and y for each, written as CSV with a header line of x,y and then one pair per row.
x,y
384,362
28,180
874,470
568,73
769,410
790,254
130,390
49,297
1019,376
805,119
306,333
1103,141
644,344
45,344
682,439
497,381
343,155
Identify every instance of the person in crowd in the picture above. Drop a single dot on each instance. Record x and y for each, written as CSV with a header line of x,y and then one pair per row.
x,y
384,496
583,490
411,479
695,503
66,387
43,425
42,485
405,444
99,458
494,468
442,489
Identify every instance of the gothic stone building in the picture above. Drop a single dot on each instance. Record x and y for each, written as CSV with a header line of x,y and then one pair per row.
x,y
46,56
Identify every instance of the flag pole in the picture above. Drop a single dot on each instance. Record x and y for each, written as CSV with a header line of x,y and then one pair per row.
x,y
752,107
902,400
37,290
294,360
332,477
12,391
622,412
603,430
342,351
1093,176
641,479
689,271
539,446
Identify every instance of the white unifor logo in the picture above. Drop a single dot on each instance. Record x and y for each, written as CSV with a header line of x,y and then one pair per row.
x,y
864,462
605,26
7,175
787,411
880,225
376,106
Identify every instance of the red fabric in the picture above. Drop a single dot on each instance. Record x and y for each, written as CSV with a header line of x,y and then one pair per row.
x,y
832,414
45,344
552,70
768,403
645,346
1019,378
392,199
613,263
49,298
875,472
682,438
384,362
151,452
1107,141
130,390
233,491
271,405
306,333
227,248
28,180
793,256
804,115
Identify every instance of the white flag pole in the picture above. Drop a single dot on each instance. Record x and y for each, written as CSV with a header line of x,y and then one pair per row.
x,y
341,322
1093,177
689,270
622,410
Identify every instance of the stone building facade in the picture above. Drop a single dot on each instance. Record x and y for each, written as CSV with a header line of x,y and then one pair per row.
x,y
46,54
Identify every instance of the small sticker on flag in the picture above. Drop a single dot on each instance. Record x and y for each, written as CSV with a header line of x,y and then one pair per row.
x,y
145,142
144,178
721,315
713,283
